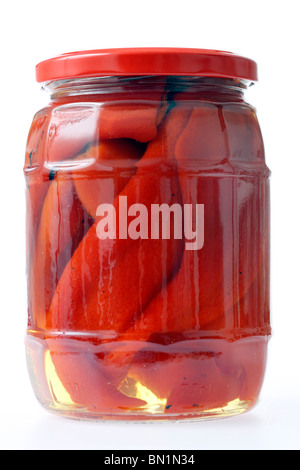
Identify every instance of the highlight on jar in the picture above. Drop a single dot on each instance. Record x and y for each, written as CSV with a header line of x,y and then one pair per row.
x,y
148,237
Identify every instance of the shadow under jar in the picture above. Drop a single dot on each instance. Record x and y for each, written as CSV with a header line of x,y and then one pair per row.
x,y
147,237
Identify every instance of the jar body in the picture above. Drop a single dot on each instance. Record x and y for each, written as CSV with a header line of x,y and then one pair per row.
x,y
147,250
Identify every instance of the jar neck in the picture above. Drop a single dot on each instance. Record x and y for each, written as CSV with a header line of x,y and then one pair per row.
x,y
193,87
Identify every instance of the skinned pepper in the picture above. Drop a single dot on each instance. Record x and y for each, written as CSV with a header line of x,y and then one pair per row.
x,y
72,126
179,306
212,292
37,181
173,316
242,121
131,121
187,379
99,255
95,393
74,130
103,171
185,304
124,303
53,245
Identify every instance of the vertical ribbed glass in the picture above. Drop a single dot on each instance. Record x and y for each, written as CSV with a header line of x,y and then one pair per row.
x,y
147,249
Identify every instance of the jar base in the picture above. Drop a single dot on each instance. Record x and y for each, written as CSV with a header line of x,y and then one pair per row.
x,y
234,408
208,379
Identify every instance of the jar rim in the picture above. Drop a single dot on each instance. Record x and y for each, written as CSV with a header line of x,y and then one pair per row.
x,y
147,61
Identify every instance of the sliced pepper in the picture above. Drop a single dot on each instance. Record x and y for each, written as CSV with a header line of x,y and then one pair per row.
x,y
131,121
75,125
105,285
62,225
108,283
37,181
203,290
84,380
103,171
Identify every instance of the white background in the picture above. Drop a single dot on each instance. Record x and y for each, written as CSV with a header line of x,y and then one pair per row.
x,y
266,31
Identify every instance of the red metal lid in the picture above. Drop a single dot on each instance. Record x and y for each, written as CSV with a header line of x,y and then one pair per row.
x,y
147,61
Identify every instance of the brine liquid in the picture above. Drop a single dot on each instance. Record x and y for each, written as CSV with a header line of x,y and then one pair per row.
x,y
186,379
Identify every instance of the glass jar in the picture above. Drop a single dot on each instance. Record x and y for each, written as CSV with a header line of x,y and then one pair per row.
x,y
147,236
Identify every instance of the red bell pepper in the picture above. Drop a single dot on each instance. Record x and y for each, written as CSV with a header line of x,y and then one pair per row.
x,y
62,225
108,283
113,115
103,170
98,289
36,175
210,282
